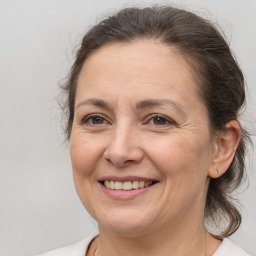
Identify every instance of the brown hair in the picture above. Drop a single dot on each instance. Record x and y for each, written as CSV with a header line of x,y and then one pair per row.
x,y
220,80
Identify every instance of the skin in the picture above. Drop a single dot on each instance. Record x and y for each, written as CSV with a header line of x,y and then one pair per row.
x,y
170,142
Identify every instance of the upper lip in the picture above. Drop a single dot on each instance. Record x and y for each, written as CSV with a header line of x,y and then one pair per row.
x,y
125,178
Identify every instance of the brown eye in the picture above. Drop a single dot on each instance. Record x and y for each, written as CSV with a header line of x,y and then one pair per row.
x,y
158,120
97,120
94,120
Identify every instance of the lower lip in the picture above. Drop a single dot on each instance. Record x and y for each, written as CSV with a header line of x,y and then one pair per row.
x,y
125,194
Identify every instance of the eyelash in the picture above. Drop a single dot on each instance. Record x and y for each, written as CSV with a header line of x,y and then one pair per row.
x,y
167,121
87,118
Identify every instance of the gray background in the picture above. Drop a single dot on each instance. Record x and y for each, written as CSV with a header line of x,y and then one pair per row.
x,y
39,208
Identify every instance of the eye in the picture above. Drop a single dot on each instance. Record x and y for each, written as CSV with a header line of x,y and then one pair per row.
x,y
94,120
160,120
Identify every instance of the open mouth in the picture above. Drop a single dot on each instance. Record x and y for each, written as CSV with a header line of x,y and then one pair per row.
x,y
127,185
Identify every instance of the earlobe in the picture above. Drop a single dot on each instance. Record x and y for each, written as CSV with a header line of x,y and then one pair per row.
x,y
225,148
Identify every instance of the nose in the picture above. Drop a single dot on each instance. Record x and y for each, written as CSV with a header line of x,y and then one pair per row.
x,y
123,148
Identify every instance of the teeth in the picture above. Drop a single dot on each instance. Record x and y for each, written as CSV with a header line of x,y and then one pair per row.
x,y
135,184
112,184
142,184
118,185
107,184
127,185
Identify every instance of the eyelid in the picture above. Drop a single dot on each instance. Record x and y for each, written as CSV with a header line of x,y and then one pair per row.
x,y
168,119
89,116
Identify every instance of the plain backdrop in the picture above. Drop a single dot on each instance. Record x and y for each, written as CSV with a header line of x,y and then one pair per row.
x,y
39,208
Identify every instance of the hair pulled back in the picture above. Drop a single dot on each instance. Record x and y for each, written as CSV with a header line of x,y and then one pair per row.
x,y
220,82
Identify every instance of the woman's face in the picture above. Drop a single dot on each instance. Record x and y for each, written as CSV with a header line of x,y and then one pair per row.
x,y
139,122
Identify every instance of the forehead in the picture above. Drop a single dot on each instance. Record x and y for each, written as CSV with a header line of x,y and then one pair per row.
x,y
145,65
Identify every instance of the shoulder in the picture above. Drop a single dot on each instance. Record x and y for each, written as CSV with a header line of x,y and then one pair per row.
x,y
77,249
229,248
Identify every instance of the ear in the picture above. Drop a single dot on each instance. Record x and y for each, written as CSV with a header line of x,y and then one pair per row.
x,y
226,143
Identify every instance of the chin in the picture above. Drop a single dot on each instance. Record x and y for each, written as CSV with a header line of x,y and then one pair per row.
x,y
126,224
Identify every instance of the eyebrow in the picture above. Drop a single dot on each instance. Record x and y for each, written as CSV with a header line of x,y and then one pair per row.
x,y
149,103
96,102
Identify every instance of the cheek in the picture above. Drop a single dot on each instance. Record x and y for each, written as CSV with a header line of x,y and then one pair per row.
x,y
84,155
184,164
182,157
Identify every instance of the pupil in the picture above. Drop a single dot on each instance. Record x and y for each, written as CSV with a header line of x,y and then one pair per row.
x,y
97,120
159,120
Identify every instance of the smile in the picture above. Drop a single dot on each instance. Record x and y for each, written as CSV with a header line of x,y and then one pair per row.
x,y
126,188
127,185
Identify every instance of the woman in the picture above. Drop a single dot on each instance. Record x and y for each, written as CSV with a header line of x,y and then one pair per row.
x,y
155,142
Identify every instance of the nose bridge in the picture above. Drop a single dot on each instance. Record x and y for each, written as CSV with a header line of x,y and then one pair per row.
x,y
121,135
123,147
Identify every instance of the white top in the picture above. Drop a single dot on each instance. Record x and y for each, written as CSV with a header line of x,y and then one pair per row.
x,y
227,248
